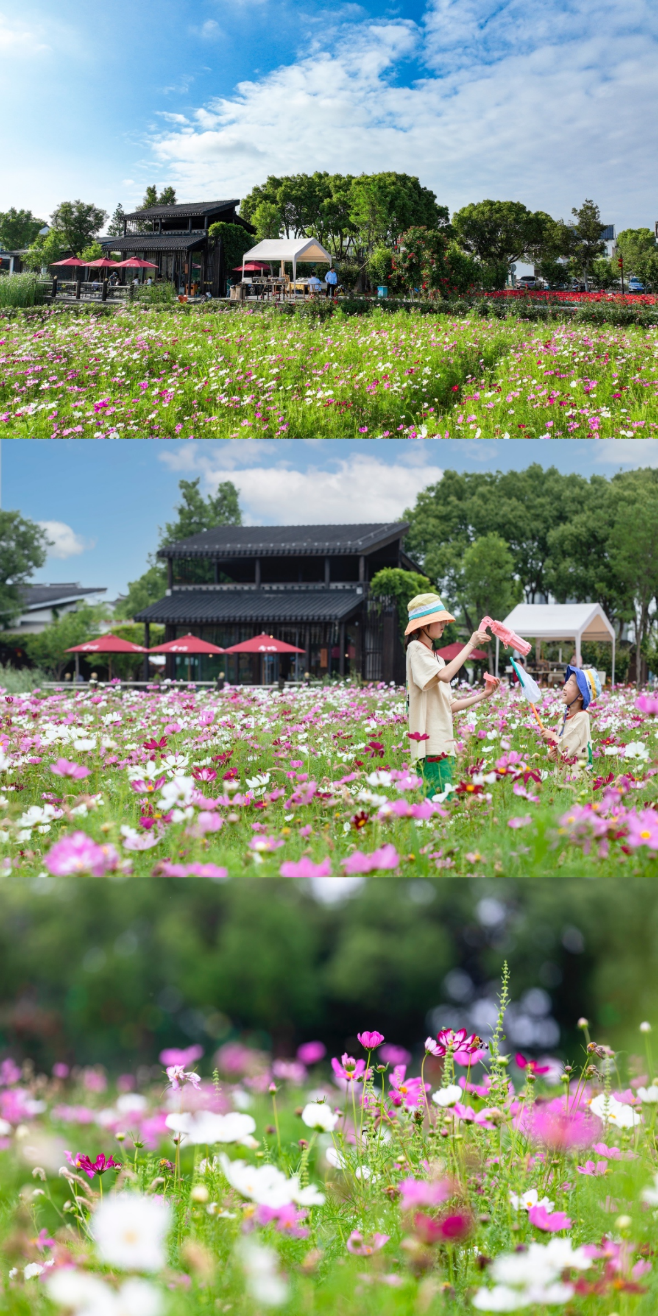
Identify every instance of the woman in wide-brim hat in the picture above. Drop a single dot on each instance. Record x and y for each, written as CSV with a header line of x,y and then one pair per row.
x,y
431,705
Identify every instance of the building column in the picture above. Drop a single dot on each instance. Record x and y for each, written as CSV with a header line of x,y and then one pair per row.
x,y
362,567
170,573
341,649
327,571
257,572
147,645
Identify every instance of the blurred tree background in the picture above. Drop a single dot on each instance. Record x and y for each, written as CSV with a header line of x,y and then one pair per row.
x,y
110,972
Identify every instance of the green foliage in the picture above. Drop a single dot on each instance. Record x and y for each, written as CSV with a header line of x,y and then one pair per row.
x,y
78,222
93,251
402,586
115,226
499,232
634,550
196,513
150,197
23,548
20,680
380,266
489,583
419,263
48,648
384,206
45,250
640,252
235,241
156,294
586,237
18,228
22,290
149,588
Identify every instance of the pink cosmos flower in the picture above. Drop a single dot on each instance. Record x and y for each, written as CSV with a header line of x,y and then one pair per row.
x,y
174,1056
424,1192
549,1221
406,1092
204,774
265,844
359,1248
591,1168
452,1229
305,868
178,1076
43,1240
310,1053
286,1219
531,1065
289,1070
64,768
203,824
143,787
385,858
610,1153
9,1073
642,828
523,821
60,1070
370,1040
417,735
451,1040
348,1069
395,1055
78,853
165,869
647,704
558,1128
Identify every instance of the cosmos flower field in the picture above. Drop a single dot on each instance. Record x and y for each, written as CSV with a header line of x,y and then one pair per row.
x,y
257,374
464,1178
314,783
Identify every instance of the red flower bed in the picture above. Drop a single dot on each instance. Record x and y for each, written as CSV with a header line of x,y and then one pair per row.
x,y
564,296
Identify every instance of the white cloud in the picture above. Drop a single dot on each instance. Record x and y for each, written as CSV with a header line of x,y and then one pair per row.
x,y
537,103
627,452
65,542
208,31
359,488
16,40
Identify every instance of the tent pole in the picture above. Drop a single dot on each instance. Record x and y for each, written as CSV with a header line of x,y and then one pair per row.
x,y
612,682
497,652
579,657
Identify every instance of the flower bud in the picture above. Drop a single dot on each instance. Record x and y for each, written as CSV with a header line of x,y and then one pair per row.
x,y
645,1027
583,1023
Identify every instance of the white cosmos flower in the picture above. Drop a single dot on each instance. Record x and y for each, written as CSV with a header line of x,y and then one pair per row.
x,y
447,1096
648,1095
264,1282
524,1201
267,1186
130,1231
144,771
174,763
177,791
261,779
502,1298
541,1264
131,1103
32,1270
317,1115
614,1112
87,1295
205,1127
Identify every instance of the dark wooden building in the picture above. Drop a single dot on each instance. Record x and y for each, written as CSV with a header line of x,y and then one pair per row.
x,y
307,585
176,239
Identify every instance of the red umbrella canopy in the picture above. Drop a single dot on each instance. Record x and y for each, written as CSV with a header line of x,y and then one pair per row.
x,y
107,644
72,260
263,644
253,265
187,644
135,264
450,651
102,264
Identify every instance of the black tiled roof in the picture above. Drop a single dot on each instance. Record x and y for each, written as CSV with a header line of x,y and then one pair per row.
x,y
154,242
183,209
286,540
40,596
191,607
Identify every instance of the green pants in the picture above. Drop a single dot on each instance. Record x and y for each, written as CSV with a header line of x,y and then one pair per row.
x,y
436,776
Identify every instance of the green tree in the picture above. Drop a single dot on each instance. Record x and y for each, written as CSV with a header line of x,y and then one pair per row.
x,y
235,241
93,251
490,588
18,228
640,252
419,261
115,226
383,206
266,219
150,198
401,586
586,234
520,506
48,648
634,556
578,564
78,222
194,514
23,548
148,589
498,233
45,250
167,196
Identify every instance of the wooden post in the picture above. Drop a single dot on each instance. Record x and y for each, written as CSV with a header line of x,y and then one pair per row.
x,y
78,287
341,655
327,571
147,645
104,292
54,287
170,573
362,567
257,572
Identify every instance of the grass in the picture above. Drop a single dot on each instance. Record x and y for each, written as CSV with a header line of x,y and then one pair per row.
x,y
313,783
22,290
382,1184
151,373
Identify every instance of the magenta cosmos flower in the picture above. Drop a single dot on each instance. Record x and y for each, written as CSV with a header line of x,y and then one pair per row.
x,y
357,1245
78,853
178,1076
165,869
642,829
305,868
174,1056
558,1128
450,1041
64,768
370,1040
549,1221
99,1166
310,1053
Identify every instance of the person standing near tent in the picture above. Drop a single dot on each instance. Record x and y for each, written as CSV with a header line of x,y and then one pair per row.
x,y
331,279
429,696
573,740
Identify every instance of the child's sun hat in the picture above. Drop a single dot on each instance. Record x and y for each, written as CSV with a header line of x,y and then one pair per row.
x,y
424,609
587,680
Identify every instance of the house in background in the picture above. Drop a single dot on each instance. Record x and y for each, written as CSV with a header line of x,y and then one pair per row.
x,y
175,238
306,585
42,604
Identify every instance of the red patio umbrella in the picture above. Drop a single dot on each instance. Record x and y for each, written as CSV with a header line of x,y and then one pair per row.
x,y
252,265
103,263
107,644
71,260
134,264
263,644
450,651
187,644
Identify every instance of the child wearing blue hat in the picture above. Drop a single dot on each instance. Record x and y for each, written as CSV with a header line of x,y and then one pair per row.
x,y
573,740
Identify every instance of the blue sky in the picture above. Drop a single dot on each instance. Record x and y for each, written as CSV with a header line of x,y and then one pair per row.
x,y
102,503
546,102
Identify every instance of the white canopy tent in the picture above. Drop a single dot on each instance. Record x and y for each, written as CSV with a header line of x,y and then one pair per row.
x,y
283,249
561,621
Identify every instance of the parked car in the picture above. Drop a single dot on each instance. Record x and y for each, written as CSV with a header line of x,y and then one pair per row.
x,y
635,285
